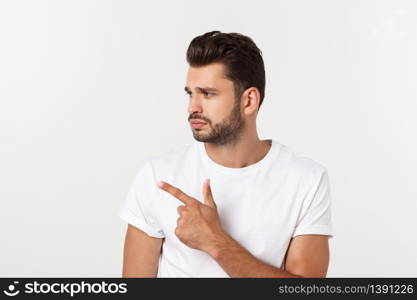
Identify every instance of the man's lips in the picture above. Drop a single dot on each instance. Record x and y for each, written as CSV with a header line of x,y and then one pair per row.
x,y
195,121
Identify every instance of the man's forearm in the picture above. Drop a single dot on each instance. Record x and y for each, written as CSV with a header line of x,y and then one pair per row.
x,y
236,261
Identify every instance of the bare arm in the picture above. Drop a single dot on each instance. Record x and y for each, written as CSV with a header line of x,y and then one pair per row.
x,y
307,256
141,254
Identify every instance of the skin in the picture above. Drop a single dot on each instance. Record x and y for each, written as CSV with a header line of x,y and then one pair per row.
x,y
140,254
230,138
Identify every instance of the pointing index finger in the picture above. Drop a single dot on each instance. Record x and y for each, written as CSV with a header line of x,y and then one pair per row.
x,y
176,192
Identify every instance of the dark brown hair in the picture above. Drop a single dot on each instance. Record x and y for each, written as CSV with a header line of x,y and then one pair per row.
x,y
239,54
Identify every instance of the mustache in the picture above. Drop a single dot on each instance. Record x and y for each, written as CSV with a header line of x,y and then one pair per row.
x,y
198,118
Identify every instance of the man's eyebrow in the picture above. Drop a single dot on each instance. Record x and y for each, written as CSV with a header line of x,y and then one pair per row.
x,y
203,89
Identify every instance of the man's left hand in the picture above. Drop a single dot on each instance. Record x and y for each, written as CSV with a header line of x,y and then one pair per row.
x,y
198,225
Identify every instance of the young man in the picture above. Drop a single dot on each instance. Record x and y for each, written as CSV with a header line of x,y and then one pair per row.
x,y
265,211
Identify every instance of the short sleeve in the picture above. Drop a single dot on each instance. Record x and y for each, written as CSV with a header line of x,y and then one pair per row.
x,y
138,209
315,217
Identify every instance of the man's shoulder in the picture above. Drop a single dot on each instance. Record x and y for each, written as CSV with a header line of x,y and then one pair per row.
x,y
177,154
300,163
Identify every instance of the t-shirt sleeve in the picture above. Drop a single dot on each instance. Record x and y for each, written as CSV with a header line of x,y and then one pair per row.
x,y
315,217
138,209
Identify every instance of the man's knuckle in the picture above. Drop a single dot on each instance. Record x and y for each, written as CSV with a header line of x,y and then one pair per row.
x,y
181,221
180,209
177,193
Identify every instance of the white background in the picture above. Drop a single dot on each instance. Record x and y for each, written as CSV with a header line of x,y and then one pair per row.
x,y
90,89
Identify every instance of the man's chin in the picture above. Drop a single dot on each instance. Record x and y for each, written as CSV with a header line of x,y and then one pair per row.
x,y
200,138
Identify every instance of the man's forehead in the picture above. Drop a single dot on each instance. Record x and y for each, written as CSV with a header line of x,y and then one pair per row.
x,y
211,75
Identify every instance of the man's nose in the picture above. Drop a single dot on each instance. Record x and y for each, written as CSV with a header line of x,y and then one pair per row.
x,y
195,105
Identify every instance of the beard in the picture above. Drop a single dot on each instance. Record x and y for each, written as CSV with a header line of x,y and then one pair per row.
x,y
224,132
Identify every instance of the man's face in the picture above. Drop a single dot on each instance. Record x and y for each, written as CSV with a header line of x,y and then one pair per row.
x,y
213,101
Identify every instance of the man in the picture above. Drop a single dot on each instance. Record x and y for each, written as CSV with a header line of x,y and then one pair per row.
x,y
228,204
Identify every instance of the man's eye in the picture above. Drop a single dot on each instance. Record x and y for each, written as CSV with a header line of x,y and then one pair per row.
x,y
208,94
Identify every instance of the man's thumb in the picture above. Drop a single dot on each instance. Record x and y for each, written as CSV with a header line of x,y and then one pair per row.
x,y
208,196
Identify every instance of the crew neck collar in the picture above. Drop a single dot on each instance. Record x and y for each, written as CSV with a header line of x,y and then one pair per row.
x,y
272,152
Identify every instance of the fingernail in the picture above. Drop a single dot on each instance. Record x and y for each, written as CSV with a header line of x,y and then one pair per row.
x,y
160,183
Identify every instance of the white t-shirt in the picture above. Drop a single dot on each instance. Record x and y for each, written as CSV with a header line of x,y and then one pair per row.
x,y
261,206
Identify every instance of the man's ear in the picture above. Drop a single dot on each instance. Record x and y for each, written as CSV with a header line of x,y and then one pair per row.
x,y
252,100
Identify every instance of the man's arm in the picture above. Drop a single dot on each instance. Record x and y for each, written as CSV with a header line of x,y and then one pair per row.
x,y
141,254
307,256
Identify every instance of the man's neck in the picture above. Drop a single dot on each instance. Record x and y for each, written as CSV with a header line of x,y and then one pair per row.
x,y
239,154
